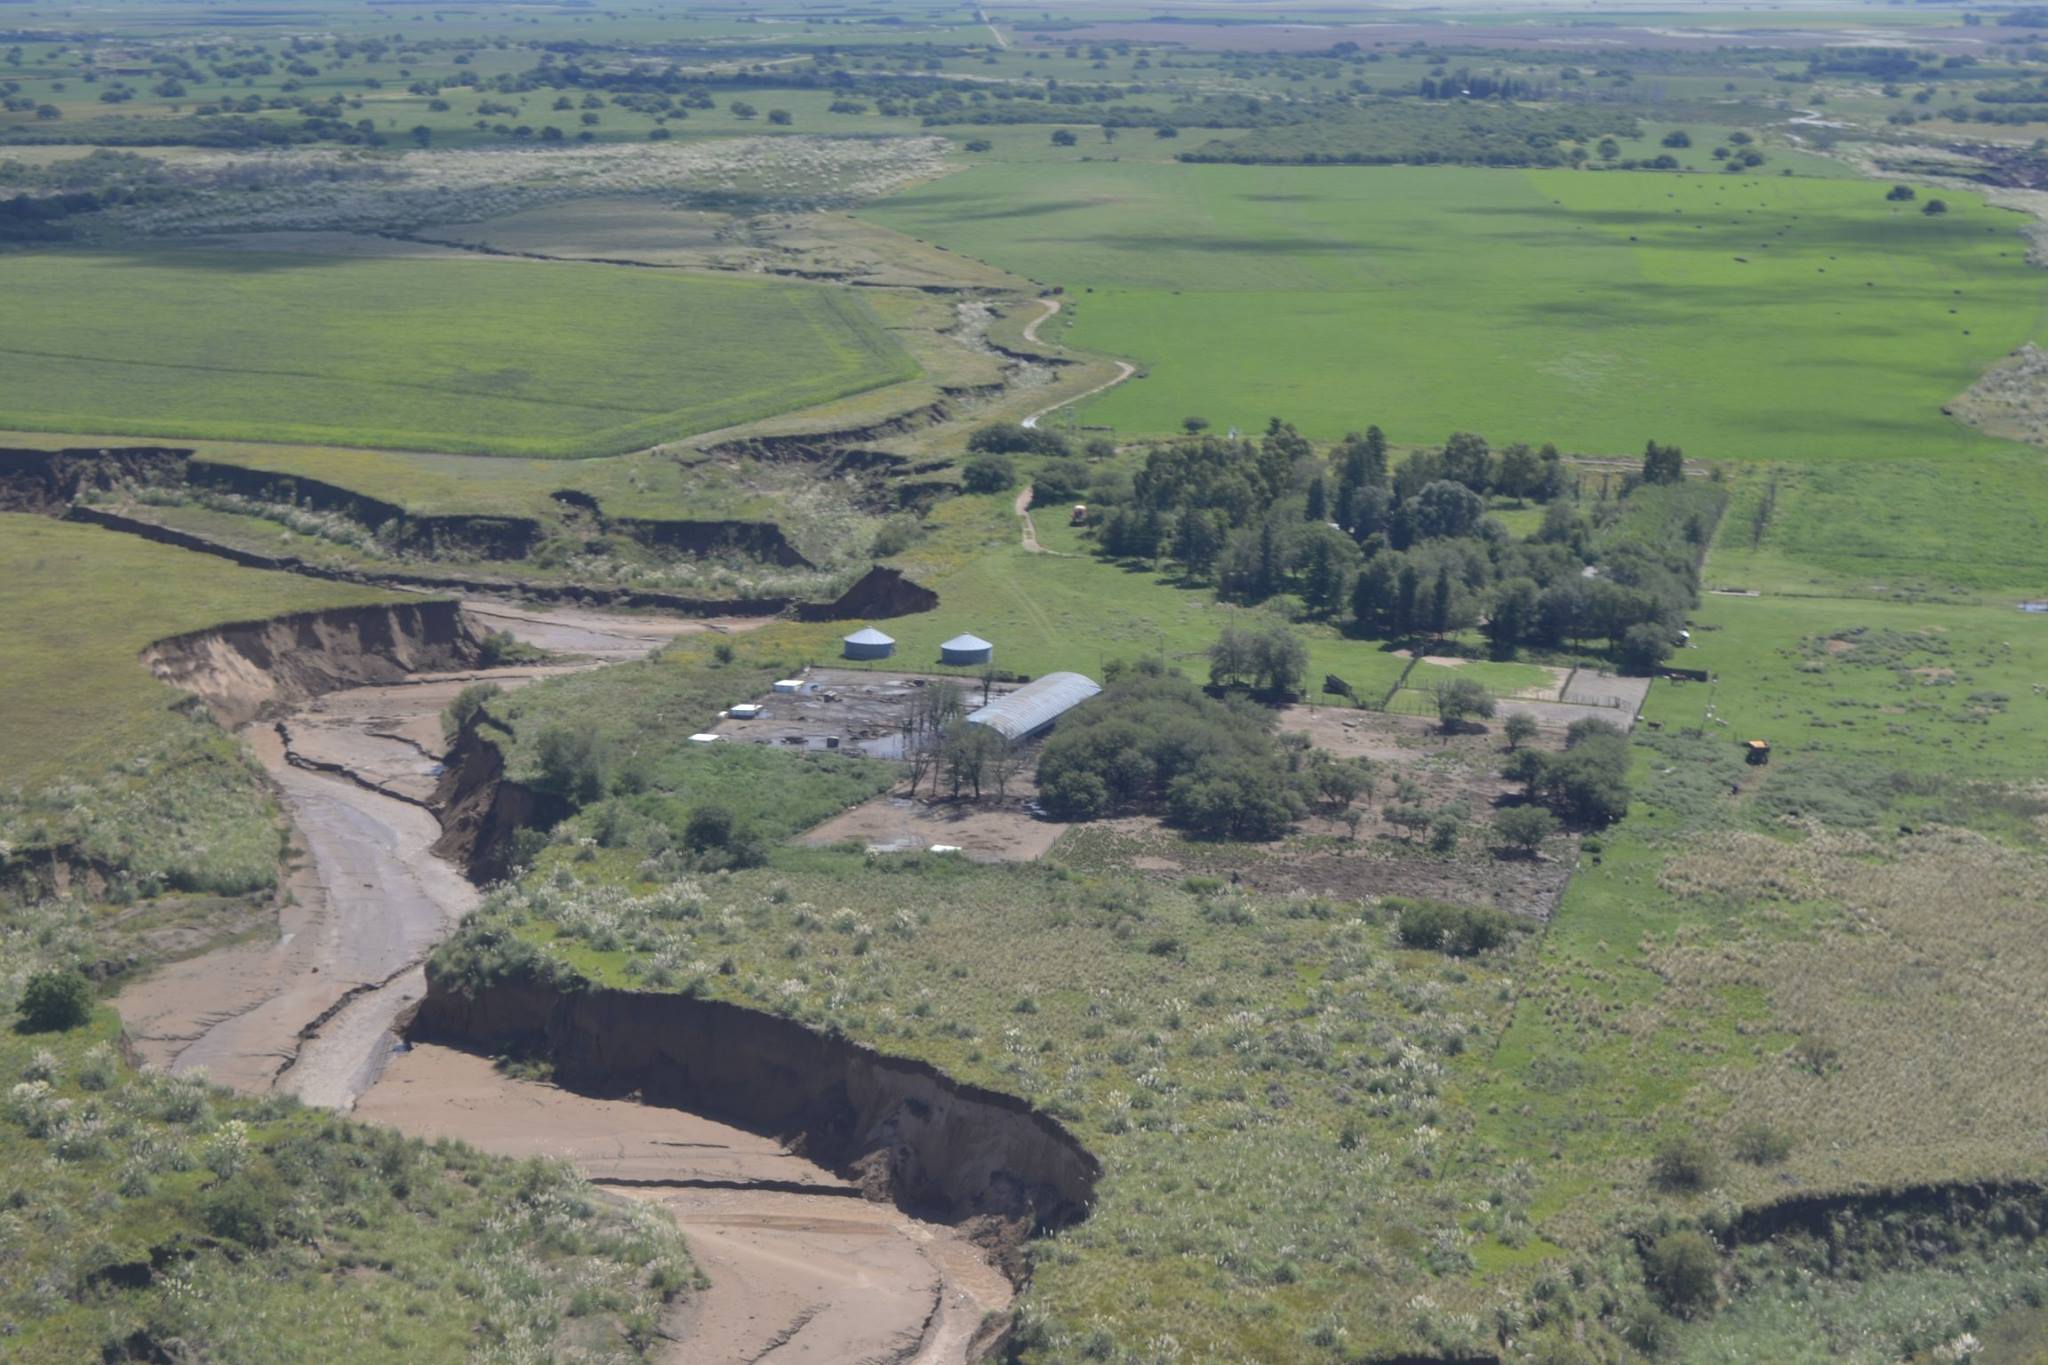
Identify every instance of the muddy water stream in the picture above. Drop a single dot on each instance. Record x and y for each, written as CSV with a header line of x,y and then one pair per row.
x,y
802,1268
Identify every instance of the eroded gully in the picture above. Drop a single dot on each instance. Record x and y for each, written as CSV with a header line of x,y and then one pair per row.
x,y
802,1268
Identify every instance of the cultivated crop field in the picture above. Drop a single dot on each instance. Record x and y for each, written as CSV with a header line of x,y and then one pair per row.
x,y
484,356
1536,305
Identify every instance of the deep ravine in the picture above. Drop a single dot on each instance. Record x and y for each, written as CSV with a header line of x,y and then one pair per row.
x,y
802,1267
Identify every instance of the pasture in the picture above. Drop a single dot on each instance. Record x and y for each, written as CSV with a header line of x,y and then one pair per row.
x,y
1527,305
81,603
96,754
470,355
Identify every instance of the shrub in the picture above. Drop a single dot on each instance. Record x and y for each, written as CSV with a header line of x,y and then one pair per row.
x,y
502,647
718,840
1685,1269
1684,1163
1459,930
574,763
1520,728
245,1208
1061,480
1012,438
1760,1144
55,1001
988,474
467,703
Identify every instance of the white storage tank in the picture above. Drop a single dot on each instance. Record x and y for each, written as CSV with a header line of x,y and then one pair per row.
x,y
966,649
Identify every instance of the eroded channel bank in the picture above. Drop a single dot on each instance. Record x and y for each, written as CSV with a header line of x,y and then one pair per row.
x,y
846,1205
901,1129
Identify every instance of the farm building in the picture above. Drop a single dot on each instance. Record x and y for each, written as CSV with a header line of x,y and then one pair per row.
x,y
966,649
869,643
1034,706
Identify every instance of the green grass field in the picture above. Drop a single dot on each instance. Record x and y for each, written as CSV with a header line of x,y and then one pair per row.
x,y
482,356
81,603
1744,317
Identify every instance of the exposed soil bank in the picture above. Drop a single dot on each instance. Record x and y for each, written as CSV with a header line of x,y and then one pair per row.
x,y
311,1010
481,809
801,1267
900,1128
48,481
255,669
578,594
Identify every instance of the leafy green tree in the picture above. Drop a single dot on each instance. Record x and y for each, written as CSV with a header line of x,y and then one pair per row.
x,y
1901,194
1194,426
1407,596
1327,563
1524,829
1467,460
1459,700
1063,137
1663,464
1373,595
1520,728
1447,508
1226,800
1519,472
1013,438
1644,648
1934,207
779,117
1678,137
1445,827
1197,540
1514,616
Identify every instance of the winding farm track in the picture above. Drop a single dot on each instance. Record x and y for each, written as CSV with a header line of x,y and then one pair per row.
x,y
1124,368
802,1268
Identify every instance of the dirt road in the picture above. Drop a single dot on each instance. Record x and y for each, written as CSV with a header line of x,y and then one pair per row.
x,y
1124,369
1022,508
